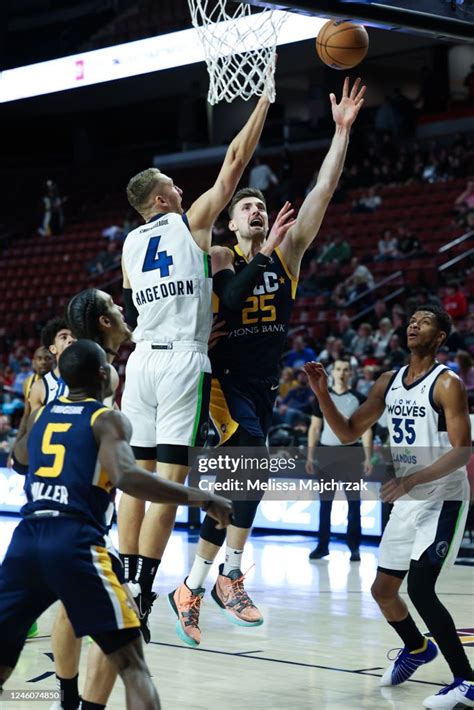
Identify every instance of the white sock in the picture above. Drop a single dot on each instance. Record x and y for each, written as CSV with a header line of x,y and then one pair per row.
x,y
233,559
199,572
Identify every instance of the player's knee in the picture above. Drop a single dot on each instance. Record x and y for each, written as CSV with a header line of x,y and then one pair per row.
x,y
210,533
382,592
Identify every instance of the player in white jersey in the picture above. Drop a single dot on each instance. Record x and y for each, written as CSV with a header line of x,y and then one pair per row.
x,y
167,294
56,336
427,411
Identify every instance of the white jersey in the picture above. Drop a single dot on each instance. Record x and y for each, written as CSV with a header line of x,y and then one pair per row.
x,y
417,427
171,281
54,387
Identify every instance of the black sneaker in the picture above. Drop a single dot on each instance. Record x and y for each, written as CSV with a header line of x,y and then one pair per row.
x,y
144,604
355,555
318,553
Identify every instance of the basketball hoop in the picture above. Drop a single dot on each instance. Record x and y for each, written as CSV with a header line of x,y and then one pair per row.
x,y
239,47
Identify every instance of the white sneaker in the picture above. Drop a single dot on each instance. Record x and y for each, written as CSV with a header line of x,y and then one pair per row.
x,y
460,693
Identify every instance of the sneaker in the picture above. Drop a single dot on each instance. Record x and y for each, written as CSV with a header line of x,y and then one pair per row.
x,y
230,595
33,631
459,693
318,553
144,604
406,664
186,604
355,556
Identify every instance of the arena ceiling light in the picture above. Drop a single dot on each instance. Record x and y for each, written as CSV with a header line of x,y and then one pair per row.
x,y
175,49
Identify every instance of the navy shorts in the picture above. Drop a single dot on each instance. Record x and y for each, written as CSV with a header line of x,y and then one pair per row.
x,y
59,558
242,401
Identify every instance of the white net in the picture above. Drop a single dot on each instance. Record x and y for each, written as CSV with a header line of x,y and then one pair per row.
x,y
239,47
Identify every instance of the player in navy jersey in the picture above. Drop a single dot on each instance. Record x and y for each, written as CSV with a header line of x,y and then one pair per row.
x,y
77,452
255,284
428,419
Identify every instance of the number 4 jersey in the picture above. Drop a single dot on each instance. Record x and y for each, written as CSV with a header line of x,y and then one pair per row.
x,y
171,281
257,332
64,473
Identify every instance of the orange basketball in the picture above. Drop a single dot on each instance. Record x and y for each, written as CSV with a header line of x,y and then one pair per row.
x,y
341,44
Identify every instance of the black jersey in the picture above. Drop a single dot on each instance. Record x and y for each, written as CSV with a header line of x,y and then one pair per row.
x,y
258,332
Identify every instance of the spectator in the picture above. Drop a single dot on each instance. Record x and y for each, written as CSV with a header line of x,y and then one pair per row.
x,y
345,331
52,221
5,432
464,205
395,356
388,247
300,354
367,381
369,202
362,340
298,401
339,251
360,280
454,301
261,176
465,369
408,244
399,324
287,381
382,337
312,281
379,311
106,260
467,331
444,357
25,372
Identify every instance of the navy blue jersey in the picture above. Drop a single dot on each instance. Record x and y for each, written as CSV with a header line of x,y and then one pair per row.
x,y
64,473
258,332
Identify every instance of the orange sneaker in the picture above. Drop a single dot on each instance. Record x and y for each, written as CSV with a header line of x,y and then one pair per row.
x,y
229,593
186,604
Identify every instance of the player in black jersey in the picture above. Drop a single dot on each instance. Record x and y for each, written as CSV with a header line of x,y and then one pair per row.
x,y
77,453
255,284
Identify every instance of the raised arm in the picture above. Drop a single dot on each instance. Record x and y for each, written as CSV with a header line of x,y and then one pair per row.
x,y
112,431
315,205
347,429
203,213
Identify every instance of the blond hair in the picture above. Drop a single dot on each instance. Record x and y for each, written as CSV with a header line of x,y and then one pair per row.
x,y
141,186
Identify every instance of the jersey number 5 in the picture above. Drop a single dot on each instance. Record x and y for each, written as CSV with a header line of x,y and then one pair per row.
x,y
155,259
50,449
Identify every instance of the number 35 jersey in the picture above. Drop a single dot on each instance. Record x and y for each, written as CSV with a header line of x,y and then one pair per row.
x,y
64,473
171,281
417,426
257,333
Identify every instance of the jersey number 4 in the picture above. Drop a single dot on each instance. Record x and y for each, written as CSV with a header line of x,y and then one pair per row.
x,y
155,259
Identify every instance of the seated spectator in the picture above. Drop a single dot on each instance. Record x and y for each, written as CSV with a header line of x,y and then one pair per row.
x,y
368,202
105,261
444,356
367,381
311,284
25,372
300,354
287,381
298,401
399,324
345,331
465,369
382,337
379,311
362,340
5,432
339,251
369,357
359,281
395,356
408,244
387,246
464,205
261,176
466,331
113,232
454,301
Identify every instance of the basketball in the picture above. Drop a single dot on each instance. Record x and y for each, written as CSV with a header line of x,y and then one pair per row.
x,y
341,44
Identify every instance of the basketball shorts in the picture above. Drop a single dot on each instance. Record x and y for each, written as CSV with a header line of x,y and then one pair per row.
x,y
59,558
166,395
415,527
241,401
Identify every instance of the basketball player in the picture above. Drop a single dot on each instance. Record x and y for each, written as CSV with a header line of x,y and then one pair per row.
x,y
56,337
167,293
245,364
91,314
77,452
335,463
426,407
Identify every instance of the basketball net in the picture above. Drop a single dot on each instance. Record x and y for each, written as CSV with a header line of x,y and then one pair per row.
x,y
239,47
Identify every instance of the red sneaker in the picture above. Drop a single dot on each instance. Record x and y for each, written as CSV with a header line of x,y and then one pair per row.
x,y
229,593
186,604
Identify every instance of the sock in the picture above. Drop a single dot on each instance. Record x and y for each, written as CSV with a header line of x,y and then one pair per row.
x,y
129,563
147,567
198,573
69,692
409,633
233,559
86,705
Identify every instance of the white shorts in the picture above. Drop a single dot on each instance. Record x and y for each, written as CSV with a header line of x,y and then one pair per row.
x,y
415,527
166,394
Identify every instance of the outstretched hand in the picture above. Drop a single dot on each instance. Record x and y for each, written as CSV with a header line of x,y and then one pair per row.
x,y
317,377
283,222
345,112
